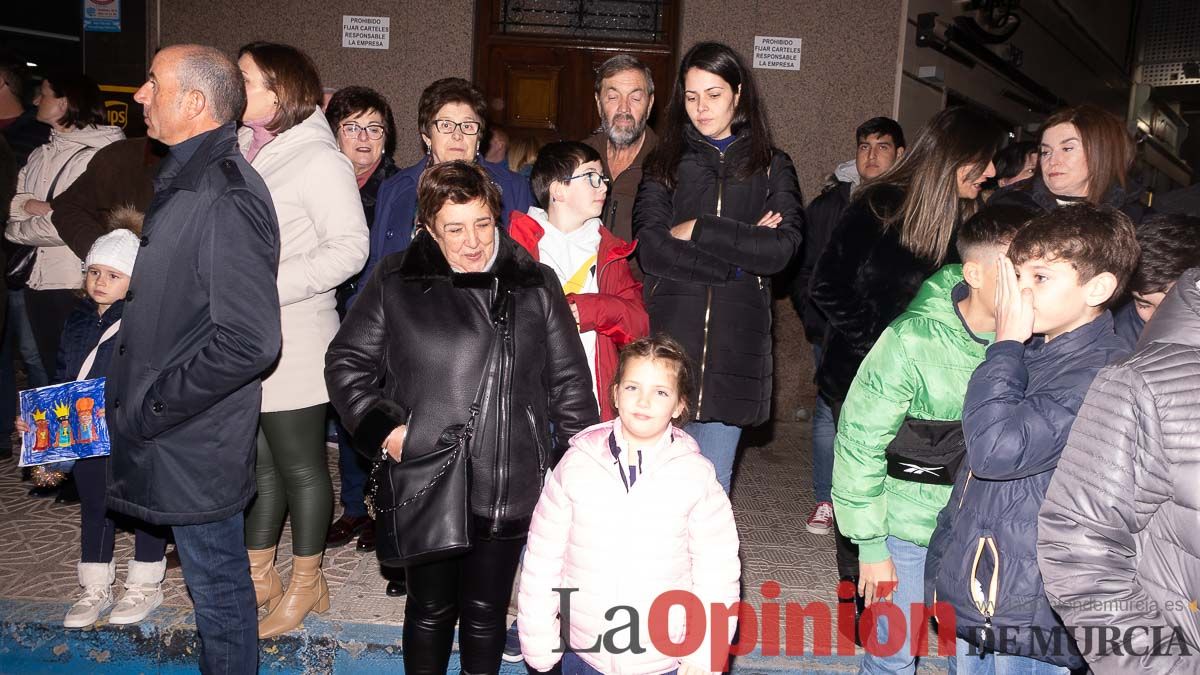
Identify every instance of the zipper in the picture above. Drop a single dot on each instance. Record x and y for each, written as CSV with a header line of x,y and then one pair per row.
x,y
502,422
966,484
708,301
537,439
704,353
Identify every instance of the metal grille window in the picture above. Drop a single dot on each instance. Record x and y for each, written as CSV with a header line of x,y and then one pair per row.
x,y
633,20
1171,47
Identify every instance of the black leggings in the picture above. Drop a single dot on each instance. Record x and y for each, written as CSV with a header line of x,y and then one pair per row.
x,y
96,527
293,477
472,590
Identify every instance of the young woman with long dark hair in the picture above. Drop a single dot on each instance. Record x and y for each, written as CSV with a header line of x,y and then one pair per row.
x,y
718,212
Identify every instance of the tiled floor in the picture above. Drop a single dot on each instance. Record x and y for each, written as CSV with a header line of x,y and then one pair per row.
x,y
39,540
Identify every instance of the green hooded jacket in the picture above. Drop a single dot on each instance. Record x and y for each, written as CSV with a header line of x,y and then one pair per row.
x,y
918,369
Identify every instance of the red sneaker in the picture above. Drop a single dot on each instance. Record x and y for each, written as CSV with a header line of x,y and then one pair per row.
x,y
821,520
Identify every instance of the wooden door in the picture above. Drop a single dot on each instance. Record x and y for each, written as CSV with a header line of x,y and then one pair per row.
x,y
535,60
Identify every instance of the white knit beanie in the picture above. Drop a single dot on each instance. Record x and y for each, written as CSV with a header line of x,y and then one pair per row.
x,y
117,249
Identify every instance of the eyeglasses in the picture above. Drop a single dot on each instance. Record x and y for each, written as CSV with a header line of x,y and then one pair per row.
x,y
352,130
448,126
594,179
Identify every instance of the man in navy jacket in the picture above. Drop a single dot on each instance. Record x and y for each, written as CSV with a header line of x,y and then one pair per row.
x,y
201,324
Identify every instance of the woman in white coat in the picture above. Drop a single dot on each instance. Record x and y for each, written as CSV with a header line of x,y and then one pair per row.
x,y
73,107
323,241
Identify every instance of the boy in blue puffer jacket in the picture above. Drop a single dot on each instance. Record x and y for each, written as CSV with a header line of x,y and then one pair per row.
x,y
1053,334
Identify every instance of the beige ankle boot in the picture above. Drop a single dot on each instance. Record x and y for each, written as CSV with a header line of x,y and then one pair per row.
x,y
306,591
268,587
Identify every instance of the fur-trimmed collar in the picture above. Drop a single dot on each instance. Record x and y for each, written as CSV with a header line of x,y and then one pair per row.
x,y
514,268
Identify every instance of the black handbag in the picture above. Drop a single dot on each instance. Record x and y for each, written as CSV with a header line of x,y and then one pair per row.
x,y
423,512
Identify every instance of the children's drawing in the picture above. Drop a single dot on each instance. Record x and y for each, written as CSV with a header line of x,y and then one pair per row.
x,y
66,422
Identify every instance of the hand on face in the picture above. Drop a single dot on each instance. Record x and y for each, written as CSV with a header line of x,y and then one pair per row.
x,y
1014,305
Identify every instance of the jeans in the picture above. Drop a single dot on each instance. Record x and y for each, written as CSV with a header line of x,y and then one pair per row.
x,y
970,661
354,469
471,590
823,432
573,665
718,443
909,560
17,341
216,570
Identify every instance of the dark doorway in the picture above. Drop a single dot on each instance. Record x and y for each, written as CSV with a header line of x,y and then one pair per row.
x,y
535,60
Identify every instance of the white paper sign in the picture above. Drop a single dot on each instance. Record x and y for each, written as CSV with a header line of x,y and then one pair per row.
x,y
779,53
366,32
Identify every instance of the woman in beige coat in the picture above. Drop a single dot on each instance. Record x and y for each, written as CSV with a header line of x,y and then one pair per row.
x,y
323,241
74,109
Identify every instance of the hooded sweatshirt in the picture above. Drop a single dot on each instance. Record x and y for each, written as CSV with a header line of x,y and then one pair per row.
x,y
63,159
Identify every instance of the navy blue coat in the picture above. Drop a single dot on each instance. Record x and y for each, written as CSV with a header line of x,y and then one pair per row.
x,y
80,333
396,207
201,325
1020,405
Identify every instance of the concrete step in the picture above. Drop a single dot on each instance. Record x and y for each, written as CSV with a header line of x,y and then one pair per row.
x,y
32,640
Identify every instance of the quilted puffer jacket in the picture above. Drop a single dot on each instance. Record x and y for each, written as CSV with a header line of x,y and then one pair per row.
x,y
1117,541
672,529
918,369
982,559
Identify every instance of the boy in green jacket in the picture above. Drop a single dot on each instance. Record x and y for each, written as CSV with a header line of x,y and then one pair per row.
x,y
899,438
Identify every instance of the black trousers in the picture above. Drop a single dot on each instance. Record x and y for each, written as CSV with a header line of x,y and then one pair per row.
x,y
847,551
97,529
471,590
48,312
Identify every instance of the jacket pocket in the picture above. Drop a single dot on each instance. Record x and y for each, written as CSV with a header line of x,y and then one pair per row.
x,y
130,419
537,439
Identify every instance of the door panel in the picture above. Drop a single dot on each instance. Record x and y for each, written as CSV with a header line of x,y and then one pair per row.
x,y
542,84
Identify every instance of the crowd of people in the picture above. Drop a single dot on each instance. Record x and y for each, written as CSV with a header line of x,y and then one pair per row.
x,y
540,364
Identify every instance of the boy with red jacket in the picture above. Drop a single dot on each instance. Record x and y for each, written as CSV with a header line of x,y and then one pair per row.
x,y
591,263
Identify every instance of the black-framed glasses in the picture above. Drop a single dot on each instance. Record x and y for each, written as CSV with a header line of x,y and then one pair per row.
x,y
468,128
594,179
352,130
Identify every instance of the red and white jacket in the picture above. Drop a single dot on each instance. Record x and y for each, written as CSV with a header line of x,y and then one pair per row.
x,y
673,529
616,313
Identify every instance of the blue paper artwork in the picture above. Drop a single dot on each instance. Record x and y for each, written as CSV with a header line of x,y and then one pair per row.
x,y
66,422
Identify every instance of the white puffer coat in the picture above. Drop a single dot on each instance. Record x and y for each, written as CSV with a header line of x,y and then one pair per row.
x,y
672,530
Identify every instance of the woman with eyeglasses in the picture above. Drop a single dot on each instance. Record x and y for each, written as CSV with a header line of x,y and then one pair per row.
x,y
362,122
452,122
323,242
717,213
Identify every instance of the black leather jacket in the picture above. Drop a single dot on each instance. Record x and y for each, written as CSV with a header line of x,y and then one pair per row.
x,y
412,350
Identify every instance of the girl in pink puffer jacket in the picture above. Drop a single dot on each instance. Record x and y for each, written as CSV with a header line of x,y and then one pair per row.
x,y
632,511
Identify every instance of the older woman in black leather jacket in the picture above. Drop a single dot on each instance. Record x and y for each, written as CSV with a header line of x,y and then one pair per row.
x,y
407,363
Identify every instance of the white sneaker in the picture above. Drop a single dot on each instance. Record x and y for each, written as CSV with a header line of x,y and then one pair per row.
x,y
96,579
143,592
821,520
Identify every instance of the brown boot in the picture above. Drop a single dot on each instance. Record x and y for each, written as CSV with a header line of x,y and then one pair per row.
x,y
268,587
306,591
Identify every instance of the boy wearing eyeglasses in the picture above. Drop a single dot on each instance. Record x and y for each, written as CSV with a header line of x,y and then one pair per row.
x,y
591,263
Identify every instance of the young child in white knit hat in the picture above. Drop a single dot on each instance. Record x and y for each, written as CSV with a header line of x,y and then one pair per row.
x,y
88,341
